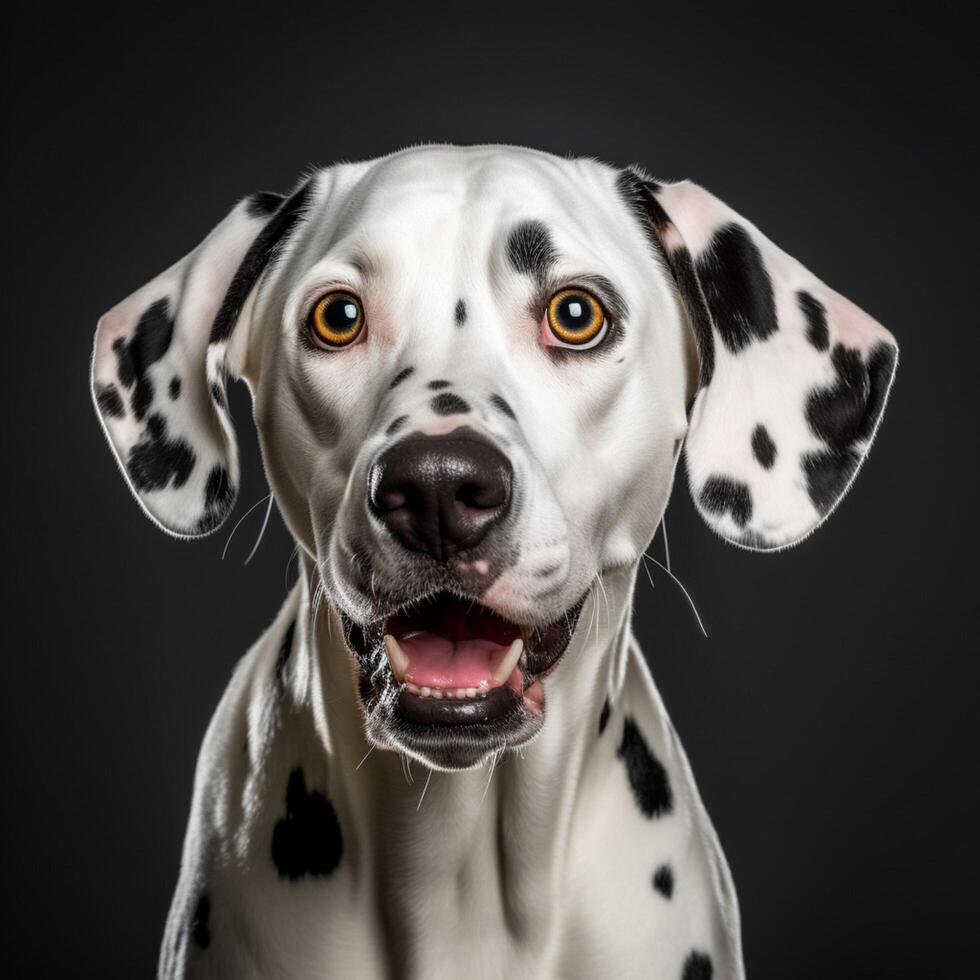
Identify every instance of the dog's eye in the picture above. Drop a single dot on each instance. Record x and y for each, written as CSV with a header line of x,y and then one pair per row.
x,y
575,318
337,319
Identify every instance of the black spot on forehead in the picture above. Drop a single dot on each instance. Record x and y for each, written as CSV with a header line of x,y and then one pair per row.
x,y
530,249
459,314
737,288
663,880
396,425
108,400
156,460
763,448
697,966
200,924
502,405
401,376
604,715
449,404
439,384
174,388
816,319
269,240
263,203
647,777
219,495
307,841
722,494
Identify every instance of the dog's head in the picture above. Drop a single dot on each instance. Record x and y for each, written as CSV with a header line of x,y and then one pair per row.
x,y
472,372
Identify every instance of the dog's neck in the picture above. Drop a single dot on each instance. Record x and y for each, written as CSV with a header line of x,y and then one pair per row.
x,y
507,822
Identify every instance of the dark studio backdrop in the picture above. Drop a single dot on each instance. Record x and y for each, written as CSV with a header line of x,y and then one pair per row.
x,y
830,717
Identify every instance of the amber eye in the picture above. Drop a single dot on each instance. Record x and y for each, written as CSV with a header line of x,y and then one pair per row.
x,y
337,319
575,317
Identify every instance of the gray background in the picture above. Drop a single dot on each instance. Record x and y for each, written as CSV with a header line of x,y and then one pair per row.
x,y
830,717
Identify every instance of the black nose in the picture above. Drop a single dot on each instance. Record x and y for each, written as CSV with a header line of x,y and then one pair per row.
x,y
441,494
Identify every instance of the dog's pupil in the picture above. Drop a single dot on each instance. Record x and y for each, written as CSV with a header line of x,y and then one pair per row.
x,y
572,312
340,314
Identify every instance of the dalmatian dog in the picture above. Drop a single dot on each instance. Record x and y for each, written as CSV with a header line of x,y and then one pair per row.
x,y
473,373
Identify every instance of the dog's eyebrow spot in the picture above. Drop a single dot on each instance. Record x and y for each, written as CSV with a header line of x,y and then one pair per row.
x,y
763,448
530,249
459,314
697,966
449,404
174,388
396,425
501,405
439,384
200,927
647,776
721,494
401,376
663,880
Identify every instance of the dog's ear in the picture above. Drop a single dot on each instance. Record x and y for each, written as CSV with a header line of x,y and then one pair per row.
x,y
793,376
159,371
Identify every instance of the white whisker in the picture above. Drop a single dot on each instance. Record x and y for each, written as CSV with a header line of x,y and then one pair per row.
x,y
424,788
239,524
663,528
680,585
366,754
258,540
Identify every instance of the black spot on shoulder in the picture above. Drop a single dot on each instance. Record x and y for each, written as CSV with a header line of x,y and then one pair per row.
x,y
737,288
647,776
459,314
401,376
439,384
269,240
396,425
200,924
530,249
697,966
261,204
816,319
604,715
449,404
663,880
763,448
217,394
307,840
219,496
282,657
721,494
502,405
157,461
174,388
108,400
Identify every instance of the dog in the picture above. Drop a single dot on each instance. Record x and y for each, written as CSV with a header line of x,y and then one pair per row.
x,y
473,372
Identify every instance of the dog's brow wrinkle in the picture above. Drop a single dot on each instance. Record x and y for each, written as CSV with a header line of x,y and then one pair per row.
x,y
439,383
401,376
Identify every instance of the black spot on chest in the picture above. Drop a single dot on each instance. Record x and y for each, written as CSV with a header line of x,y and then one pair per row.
x,y
647,777
530,250
763,448
449,404
307,840
604,715
200,923
156,460
663,880
697,966
721,494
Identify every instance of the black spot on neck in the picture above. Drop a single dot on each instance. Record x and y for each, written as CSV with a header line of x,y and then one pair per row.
x,y
175,388
697,966
647,776
459,314
663,880
815,313
530,250
200,923
721,494
401,376
604,715
439,384
307,841
449,404
763,448
108,400
502,405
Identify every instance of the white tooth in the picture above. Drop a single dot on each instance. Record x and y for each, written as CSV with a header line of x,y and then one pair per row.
x,y
412,688
460,692
471,692
426,692
396,657
506,666
437,693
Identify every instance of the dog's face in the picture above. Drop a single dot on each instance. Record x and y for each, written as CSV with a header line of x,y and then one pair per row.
x,y
471,372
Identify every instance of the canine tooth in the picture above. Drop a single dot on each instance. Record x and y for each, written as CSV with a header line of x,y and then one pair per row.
x,y
471,692
396,657
426,692
506,666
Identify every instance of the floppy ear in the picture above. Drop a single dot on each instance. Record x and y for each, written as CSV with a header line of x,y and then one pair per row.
x,y
158,369
794,377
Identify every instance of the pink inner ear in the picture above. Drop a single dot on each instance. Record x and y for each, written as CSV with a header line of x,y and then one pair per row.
x,y
850,325
695,212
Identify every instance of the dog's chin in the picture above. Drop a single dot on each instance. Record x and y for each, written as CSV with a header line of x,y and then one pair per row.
x,y
451,683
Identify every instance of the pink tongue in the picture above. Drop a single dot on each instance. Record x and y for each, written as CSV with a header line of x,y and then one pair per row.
x,y
435,661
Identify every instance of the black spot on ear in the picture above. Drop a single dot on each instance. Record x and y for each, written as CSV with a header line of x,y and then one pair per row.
x,y
108,400
217,395
737,288
219,495
148,343
721,494
647,776
439,384
157,461
502,406
816,319
697,967
449,404
401,376
604,715
530,250
396,425
843,415
200,925
282,657
174,388
307,840
261,204
459,314
763,448
663,880
269,240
